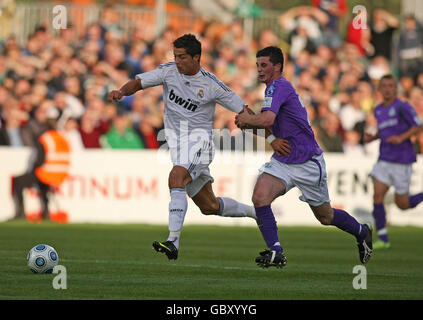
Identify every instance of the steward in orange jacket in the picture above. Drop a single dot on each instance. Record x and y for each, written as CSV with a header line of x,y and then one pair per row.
x,y
51,161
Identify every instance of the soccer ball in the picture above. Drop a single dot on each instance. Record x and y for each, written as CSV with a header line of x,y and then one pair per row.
x,y
42,259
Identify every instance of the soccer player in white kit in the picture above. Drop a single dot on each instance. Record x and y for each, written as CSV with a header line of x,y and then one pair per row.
x,y
190,95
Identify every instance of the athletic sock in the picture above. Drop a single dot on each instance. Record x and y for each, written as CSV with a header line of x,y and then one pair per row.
x,y
232,208
347,223
416,199
177,209
379,215
268,227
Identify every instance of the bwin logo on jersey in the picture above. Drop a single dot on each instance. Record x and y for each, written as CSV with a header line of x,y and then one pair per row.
x,y
187,104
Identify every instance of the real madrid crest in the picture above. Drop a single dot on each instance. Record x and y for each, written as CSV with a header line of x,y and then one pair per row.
x,y
200,94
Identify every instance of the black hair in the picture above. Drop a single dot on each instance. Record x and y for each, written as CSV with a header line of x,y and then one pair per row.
x,y
190,43
274,53
387,76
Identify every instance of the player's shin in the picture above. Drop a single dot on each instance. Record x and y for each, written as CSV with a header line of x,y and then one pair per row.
x,y
177,209
347,223
268,227
416,199
379,215
232,208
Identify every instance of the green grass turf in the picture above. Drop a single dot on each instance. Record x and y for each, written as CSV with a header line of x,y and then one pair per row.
x,y
118,262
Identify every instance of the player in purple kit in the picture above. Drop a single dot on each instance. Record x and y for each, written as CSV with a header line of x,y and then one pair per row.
x,y
304,167
397,123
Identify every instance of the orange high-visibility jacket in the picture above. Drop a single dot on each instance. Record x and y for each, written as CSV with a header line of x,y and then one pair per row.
x,y
56,165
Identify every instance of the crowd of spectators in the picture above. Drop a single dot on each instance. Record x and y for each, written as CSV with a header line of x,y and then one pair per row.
x,y
336,78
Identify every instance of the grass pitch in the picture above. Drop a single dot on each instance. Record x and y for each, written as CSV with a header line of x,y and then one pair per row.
x,y
118,262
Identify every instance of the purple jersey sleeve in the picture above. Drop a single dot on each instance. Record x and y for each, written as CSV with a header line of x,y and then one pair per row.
x,y
273,99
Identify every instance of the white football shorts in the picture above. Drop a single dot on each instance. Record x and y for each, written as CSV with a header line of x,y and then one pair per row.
x,y
196,158
393,174
310,177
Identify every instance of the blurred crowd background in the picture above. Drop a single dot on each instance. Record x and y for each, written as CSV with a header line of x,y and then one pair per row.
x,y
334,66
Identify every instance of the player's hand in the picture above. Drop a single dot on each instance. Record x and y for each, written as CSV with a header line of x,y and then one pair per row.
x,y
394,140
242,117
369,138
281,147
115,95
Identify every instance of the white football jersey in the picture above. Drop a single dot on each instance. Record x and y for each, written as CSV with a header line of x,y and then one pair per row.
x,y
190,100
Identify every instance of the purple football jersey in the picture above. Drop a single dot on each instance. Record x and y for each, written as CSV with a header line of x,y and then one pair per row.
x,y
392,120
291,122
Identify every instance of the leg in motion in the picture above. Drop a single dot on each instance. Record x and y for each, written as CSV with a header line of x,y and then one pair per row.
x,y
267,189
178,179
44,194
342,220
209,204
19,184
379,214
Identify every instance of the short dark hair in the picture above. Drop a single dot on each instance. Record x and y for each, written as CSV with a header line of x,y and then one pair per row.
x,y
274,53
388,76
190,43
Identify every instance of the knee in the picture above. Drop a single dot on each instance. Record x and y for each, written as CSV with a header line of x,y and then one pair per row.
x,y
403,205
259,199
175,179
178,178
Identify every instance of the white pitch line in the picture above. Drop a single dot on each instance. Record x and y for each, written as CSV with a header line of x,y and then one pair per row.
x,y
134,262
160,263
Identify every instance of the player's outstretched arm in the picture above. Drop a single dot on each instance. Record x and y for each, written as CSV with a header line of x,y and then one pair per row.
x,y
370,137
262,120
127,89
279,145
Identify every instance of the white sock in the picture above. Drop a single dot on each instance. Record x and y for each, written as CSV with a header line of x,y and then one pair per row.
x,y
174,237
177,209
232,208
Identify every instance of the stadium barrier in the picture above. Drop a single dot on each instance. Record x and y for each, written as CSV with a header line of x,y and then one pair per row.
x,y
111,186
29,16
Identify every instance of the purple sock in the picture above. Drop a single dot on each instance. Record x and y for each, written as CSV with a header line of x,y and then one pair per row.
x,y
347,223
379,215
416,199
267,225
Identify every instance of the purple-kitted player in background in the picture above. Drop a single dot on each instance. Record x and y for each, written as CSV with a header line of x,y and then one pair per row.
x,y
304,167
397,123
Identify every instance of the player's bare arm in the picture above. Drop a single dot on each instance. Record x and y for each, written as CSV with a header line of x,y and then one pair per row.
x,y
397,139
262,120
370,137
279,145
127,89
